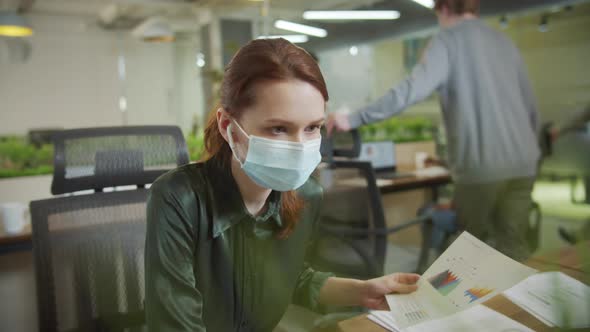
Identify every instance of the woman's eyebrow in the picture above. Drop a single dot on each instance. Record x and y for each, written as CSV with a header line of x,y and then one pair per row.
x,y
286,122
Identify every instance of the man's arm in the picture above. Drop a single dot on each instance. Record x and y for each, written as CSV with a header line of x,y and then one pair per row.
x,y
426,77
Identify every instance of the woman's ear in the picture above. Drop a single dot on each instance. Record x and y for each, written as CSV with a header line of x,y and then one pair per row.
x,y
223,121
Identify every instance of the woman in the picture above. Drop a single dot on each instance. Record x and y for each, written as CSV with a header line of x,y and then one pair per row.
x,y
226,239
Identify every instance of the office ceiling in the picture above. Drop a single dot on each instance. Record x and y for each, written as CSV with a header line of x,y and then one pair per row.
x,y
413,16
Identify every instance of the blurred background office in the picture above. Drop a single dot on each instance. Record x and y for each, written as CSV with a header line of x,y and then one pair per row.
x,y
68,64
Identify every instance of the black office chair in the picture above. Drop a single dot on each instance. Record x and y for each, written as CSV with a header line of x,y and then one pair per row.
x,y
352,239
88,248
568,158
96,158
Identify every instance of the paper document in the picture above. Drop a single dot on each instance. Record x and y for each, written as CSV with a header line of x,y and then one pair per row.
x,y
384,319
468,273
554,298
478,318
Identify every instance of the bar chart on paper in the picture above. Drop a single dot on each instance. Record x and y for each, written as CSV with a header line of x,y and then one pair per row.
x,y
475,294
445,282
461,282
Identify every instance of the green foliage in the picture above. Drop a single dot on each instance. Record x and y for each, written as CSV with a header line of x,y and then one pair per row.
x,y
196,146
399,129
11,173
19,158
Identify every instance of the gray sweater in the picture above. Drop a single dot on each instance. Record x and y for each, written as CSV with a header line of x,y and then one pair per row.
x,y
488,107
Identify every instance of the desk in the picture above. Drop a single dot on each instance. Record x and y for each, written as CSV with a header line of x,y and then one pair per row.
x,y
12,242
568,260
388,186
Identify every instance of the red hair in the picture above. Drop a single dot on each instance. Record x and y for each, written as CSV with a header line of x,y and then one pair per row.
x,y
260,61
458,7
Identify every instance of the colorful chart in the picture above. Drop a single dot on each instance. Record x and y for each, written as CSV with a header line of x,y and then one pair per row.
x,y
477,293
445,282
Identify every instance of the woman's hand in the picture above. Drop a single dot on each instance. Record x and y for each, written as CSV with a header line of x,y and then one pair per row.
x,y
373,296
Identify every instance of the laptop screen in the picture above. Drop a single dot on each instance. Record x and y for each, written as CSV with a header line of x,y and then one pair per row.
x,y
380,154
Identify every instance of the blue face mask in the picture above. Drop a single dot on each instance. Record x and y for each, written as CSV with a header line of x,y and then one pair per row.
x,y
275,164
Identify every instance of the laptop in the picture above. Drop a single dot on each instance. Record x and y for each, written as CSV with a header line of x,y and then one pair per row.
x,y
382,157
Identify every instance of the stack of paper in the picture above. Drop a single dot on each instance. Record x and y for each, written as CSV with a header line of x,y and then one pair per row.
x,y
554,298
384,319
468,273
478,318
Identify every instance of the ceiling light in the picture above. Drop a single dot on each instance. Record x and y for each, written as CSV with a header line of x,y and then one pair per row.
x,y
295,39
122,104
201,60
301,28
425,3
353,50
351,15
14,25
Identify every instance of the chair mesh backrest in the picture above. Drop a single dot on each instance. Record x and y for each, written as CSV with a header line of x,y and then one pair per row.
x,y
96,158
89,261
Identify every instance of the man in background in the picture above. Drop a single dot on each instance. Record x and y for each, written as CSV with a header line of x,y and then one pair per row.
x,y
490,117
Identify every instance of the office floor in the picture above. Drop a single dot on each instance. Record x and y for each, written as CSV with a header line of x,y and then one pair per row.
x,y
18,311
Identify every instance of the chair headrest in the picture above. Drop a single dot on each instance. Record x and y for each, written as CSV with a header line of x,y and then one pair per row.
x,y
96,158
346,144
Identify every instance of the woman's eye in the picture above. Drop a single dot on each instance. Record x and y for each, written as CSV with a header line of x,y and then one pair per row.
x,y
314,128
278,130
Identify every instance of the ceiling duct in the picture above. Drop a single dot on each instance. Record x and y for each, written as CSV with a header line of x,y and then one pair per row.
x,y
119,17
154,29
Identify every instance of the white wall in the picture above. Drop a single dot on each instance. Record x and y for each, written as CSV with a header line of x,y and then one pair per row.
x,y
558,61
25,189
349,78
71,79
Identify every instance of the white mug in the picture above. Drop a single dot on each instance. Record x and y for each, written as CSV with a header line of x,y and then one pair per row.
x,y
14,217
421,159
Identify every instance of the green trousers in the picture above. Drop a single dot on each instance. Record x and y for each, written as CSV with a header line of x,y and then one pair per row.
x,y
497,213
